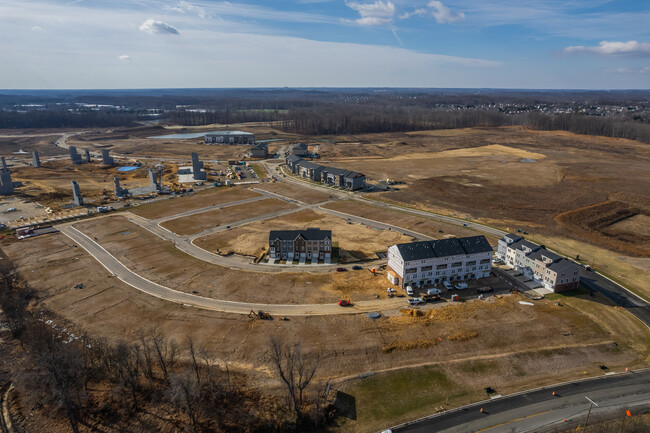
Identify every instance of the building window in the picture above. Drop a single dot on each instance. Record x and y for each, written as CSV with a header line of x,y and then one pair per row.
x,y
441,267
411,271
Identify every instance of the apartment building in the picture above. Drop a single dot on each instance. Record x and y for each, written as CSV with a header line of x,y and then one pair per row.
x,y
433,262
301,244
551,270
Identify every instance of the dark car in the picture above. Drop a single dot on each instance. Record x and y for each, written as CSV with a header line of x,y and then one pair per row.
x,y
357,267
341,269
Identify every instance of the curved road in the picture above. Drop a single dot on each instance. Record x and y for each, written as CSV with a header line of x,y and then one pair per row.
x,y
539,410
116,268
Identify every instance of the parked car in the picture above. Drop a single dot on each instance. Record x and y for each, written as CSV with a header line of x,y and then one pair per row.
x,y
344,303
341,269
357,267
431,298
415,301
447,285
485,289
461,286
409,290
434,291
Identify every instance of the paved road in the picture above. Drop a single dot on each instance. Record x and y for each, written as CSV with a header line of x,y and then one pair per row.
x,y
539,410
116,268
621,296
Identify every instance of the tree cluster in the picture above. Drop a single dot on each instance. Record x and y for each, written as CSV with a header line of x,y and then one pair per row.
x,y
153,381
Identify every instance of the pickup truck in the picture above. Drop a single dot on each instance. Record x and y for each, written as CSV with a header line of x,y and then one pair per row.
x,y
431,298
415,301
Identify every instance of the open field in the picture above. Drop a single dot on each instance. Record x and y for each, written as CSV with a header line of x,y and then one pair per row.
x,y
488,173
360,242
209,219
296,192
165,208
638,224
549,342
422,225
44,145
135,141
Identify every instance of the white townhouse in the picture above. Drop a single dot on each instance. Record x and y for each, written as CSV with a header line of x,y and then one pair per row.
x,y
433,262
551,270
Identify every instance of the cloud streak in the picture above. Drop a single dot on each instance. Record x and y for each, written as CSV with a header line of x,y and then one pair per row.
x,y
611,48
443,14
373,14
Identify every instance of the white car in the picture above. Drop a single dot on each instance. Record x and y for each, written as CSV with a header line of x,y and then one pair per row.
x,y
434,291
416,301
409,290
461,286
447,285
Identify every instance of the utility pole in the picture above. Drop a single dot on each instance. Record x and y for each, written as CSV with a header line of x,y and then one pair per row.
x,y
591,403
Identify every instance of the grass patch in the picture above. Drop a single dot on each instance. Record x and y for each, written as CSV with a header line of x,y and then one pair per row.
x,y
388,397
580,291
259,170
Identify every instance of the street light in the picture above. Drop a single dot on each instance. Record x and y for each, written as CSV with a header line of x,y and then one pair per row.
x,y
591,403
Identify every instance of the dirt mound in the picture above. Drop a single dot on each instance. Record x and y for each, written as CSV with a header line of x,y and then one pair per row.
x,y
412,313
463,335
596,223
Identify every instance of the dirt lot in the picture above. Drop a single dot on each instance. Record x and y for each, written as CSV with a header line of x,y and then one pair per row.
x,y
359,242
209,219
50,185
422,225
43,145
305,195
549,342
165,208
135,141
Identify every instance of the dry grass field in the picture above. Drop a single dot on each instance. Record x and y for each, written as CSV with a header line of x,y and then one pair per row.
x,y
296,192
43,145
205,220
166,208
422,225
463,346
355,241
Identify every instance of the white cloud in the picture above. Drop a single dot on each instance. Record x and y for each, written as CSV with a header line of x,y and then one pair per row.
x,y
187,7
124,57
439,11
37,29
155,26
608,48
443,14
373,14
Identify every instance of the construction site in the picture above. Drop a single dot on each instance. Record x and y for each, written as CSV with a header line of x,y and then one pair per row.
x,y
171,235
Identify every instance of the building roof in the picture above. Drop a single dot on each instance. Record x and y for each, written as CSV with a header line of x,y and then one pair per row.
x,y
518,245
293,159
227,133
311,234
513,237
562,265
260,146
300,146
310,165
444,248
337,171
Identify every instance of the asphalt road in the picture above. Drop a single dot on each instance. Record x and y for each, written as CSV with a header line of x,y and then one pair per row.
x,y
540,410
621,296
116,268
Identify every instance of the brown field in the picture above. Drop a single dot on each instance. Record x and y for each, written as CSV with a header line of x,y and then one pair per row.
x,y
50,185
544,343
637,224
43,145
135,140
166,208
209,219
296,192
357,241
426,226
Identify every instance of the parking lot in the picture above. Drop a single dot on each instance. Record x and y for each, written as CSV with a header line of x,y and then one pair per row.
x,y
23,208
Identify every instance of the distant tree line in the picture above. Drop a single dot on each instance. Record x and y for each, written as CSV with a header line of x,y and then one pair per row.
x,y
151,384
66,119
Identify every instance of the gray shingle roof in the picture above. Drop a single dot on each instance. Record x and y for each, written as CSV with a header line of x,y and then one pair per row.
x,y
260,146
310,234
562,265
444,248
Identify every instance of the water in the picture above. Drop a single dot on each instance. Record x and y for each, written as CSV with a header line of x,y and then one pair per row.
x,y
131,168
528,160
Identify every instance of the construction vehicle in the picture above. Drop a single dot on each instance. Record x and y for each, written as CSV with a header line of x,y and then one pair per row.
x,y
260,315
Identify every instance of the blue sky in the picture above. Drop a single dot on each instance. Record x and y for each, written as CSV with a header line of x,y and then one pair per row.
x,y
56,44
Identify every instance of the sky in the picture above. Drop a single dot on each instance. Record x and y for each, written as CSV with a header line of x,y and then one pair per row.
x,y
126,44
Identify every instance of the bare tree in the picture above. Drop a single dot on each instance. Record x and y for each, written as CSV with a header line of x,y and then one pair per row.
x,y
184,389
127,366
296,370
195,365
166,353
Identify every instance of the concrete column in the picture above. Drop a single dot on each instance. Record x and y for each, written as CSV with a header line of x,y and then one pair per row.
x,y
36,162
